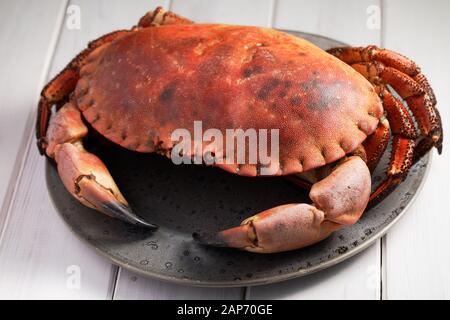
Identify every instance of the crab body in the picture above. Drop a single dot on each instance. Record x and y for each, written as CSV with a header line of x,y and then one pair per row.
x,y
136,87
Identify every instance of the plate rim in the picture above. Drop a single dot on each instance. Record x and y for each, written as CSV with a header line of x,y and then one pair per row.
x,y
251,282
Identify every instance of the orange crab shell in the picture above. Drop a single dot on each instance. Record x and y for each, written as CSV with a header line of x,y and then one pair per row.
x,y
139,88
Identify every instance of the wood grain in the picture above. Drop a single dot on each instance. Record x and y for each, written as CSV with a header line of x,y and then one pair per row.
x,y
25,55
248,12
356,278
345,20
416,249
132,286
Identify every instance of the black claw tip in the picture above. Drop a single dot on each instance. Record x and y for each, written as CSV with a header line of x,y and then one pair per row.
x,y
210,239
124,213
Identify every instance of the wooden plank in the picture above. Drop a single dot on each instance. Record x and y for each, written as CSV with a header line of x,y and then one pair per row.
x,y
350,21
249,12
39,256
25,55
356,278
417,255
359,277
132,286
254,12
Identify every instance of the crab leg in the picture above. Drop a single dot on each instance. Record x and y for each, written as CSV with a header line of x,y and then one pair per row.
x,y
375,145
382,66
403,144
401,162
338,200
84,175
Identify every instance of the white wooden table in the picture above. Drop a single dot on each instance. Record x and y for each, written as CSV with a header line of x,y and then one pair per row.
x,y
41,258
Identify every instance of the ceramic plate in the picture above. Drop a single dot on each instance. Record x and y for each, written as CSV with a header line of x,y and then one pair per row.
x,y
190,198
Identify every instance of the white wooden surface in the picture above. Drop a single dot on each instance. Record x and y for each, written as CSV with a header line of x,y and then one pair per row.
x,y
39,256
417,252
25,54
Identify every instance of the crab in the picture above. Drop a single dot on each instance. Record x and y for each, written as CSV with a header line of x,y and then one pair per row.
x,y
336,112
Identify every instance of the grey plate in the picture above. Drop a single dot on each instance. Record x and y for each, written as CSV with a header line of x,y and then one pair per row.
x,y
189,198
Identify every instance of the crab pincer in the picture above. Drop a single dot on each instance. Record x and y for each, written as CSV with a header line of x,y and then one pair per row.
x,y
83,174
338,200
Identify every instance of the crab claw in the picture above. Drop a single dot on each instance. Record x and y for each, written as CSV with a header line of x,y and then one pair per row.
x,y
88,180
83,174
339,199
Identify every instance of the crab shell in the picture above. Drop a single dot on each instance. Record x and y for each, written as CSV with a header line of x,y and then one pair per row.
x,y
139,88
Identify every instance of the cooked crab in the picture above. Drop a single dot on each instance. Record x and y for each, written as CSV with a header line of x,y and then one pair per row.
x,y
335,111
